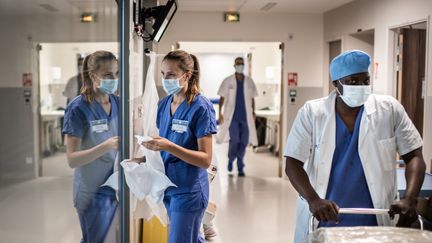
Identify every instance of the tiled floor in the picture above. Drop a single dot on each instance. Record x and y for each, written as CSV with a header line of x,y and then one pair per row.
x,y
257,208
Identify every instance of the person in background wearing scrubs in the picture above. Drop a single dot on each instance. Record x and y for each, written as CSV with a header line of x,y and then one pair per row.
x,y
186,122
91,129
237,121
74,84
341,152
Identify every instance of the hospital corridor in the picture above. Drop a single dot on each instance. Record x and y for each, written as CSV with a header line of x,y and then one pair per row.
x,y
225,121
246,206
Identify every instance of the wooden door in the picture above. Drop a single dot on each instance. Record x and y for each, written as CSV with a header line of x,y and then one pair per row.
x,y
412,76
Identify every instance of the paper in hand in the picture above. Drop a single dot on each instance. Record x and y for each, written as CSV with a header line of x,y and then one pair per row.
x,y
142,139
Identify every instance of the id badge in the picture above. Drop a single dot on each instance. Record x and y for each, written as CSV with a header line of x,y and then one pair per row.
x,y
179,126
99,126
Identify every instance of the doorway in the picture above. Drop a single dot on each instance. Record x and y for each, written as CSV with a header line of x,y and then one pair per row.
x,y
410,56
59,83
263,63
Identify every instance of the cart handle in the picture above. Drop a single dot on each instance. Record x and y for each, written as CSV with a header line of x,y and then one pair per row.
x,y
369,211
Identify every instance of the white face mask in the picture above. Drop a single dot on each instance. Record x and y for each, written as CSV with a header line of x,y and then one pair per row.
x,y
355,95
239,68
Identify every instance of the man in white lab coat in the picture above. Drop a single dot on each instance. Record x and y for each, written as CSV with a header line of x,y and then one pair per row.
x,y
237,121
341,152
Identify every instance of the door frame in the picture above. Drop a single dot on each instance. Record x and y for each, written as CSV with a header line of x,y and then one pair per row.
x,y
392,63
392,43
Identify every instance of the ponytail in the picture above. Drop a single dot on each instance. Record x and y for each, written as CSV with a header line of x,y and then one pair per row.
x,y
87,83
193,83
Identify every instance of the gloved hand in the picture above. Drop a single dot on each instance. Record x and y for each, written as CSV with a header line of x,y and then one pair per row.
x,y
406,208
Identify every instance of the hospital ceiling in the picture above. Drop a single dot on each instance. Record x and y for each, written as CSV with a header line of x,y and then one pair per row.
x,y
108,7
279,6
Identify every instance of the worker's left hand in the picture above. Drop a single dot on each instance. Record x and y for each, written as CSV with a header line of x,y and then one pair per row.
x,y
158,144
406,208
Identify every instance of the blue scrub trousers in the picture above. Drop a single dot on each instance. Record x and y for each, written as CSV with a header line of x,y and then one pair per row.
x,y
239,139
185,223
96,220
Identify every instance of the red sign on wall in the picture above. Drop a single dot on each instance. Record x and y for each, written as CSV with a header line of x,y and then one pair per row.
x,y
27,79
292,79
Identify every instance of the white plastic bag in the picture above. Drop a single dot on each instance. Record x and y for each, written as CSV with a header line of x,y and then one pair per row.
x,y
144,180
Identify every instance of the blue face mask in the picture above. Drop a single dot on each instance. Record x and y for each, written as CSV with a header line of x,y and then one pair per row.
x,y
108,86
171,86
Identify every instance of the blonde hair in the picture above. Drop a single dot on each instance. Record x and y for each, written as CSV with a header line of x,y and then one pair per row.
x,y
187,63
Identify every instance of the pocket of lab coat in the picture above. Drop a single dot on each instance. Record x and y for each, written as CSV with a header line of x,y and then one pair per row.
x,y
388,150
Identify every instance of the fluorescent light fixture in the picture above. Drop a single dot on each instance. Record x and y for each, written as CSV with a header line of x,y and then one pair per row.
x,y
88,17
232,17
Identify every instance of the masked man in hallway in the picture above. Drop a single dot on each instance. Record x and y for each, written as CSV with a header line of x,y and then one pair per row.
x,y
341,152
237,121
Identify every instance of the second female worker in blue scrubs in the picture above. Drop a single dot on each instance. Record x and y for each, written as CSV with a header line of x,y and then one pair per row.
x,y
91,129
186,122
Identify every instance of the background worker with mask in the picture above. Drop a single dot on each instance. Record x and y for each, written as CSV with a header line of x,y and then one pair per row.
x,y
74,84
341,152
237,121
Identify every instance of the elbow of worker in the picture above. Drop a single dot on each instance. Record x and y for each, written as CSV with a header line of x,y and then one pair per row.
x,y
207,163
71,162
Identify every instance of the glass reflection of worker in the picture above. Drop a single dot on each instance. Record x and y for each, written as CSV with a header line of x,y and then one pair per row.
x,y
74,84
237,122
341,152
91,128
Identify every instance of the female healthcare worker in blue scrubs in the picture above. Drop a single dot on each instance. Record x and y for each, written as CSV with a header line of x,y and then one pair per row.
x,y
91,128
186,122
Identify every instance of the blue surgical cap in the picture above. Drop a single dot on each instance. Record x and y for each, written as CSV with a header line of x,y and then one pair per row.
x,y
349,63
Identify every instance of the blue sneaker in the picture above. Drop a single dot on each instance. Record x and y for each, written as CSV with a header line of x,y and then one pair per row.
x,y
241,174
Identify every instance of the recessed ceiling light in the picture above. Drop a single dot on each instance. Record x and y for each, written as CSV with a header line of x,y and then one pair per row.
x,y
88,17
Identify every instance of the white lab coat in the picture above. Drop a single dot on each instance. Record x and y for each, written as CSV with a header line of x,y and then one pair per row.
x,y
228,90
384,130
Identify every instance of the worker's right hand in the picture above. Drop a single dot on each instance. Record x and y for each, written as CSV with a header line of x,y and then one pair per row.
x,y
324,210
112,143
221,119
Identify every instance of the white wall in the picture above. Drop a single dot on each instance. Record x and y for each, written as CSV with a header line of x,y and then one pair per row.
x,y
382,16
214,68
303,53
20,35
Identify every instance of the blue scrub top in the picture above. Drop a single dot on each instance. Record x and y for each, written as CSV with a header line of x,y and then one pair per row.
x,y
199,119
347,185
240,106
79,116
